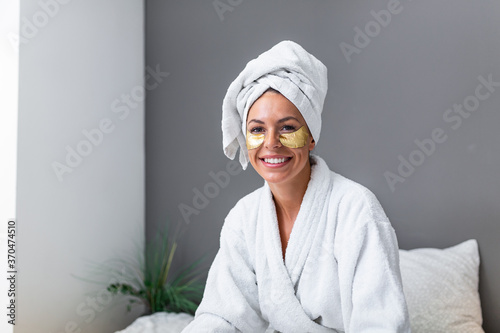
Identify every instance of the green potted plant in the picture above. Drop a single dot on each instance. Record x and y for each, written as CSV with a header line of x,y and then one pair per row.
x,y
155,286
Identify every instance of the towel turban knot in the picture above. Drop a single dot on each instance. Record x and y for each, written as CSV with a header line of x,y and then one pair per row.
x,y
288,68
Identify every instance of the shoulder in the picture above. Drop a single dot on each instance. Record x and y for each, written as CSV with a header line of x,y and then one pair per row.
x,y
351,192
360,218
342,189
357,202
246,204
244,211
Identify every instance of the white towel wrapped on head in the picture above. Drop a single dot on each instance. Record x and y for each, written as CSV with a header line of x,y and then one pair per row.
x,y
288,68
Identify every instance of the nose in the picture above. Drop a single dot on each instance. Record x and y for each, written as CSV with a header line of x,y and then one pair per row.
x,y
272,140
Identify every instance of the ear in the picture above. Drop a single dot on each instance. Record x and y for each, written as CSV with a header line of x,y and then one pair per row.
x,y
312,144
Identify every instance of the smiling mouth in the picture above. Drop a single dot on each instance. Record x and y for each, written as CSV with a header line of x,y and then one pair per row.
x,y
276,161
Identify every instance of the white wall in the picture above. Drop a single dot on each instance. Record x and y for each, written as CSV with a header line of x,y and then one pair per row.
x,y
77,58
9,24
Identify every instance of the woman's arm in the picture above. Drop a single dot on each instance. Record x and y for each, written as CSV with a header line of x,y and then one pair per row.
x,y
368,260
230,301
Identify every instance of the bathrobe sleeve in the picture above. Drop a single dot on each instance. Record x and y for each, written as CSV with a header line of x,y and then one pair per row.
x,y
366,250
230,301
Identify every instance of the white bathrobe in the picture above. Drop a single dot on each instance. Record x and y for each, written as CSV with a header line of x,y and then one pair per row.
x,y
340,273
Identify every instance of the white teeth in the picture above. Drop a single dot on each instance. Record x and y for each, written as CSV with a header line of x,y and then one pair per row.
x,y
274,160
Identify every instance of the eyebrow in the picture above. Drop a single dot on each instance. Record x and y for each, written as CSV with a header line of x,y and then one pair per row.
x,y
279,121
287,119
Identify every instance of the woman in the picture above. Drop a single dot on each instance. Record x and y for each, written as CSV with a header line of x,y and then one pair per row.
x,y
310,251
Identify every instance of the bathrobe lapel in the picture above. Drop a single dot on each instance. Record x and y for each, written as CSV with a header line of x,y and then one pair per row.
x,y
277,279
314,205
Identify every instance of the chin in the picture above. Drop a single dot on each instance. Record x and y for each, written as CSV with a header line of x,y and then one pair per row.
x,y
274,179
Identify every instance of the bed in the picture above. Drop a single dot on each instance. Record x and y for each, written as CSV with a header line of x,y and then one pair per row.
x,y
441,288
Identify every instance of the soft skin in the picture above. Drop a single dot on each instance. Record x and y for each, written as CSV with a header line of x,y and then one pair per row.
x,y
273,114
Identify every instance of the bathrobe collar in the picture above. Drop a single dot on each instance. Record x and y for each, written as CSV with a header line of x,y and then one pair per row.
x,y
305,224
272,273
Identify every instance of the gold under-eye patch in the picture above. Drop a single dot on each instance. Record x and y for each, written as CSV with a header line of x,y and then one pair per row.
x,y
254,140
297,139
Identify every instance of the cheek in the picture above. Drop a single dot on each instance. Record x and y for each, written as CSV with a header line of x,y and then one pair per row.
x,y
303,152
252,154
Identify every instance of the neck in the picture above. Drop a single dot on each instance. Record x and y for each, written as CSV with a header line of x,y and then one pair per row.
x,y
288,196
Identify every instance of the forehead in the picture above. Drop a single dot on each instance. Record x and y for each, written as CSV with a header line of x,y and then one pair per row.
x,y
272,106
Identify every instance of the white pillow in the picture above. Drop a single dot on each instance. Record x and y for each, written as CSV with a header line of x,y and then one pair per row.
x,y
159,322
441,288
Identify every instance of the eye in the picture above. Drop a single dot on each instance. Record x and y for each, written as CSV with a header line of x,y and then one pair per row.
x,y
288,128
256,130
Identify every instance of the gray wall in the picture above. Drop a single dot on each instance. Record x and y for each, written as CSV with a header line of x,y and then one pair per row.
x,y
73,65
391,92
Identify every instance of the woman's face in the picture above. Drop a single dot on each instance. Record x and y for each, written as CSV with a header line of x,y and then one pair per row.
x,y
273,114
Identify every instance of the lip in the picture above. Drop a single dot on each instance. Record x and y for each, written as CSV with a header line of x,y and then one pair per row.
x,y
274,165
274,156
